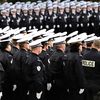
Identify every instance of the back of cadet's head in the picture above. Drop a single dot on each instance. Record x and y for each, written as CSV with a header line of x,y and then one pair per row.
x,y
96,43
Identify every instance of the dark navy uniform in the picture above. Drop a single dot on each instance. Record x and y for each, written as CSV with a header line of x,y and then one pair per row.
x,y
83,22
91,65
20,58
3,22
6,60
73,22
49,21
74,73
37,21
60,22
44,56
57,76
94,21
24,22
14,21
34,72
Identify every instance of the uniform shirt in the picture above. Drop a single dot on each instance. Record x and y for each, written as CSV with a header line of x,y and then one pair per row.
x,y
44,56
6,59
14,22
19,60
73,71
24,22
3,22
56,69
35,73
91,64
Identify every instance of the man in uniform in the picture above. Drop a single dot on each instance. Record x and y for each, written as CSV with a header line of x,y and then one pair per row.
x,y
37,21
3,19
35,71
60,21
50,20
14,19
19,60
95,20
91,64
56,71
24,22
6,59
73,19
84,20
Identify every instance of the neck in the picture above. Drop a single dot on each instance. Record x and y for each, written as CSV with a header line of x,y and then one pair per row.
x,y
35,52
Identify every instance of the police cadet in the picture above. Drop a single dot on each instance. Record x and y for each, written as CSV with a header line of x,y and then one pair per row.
x,y
35,71
67,17
50,20
78,13
1,79
18,67
50,46
60,21
56,70
14,19
44,56
6,59
15,44
73,18
18,10
84,19
94,19
3,19
91,64
24,22
43,16
73,71
37,19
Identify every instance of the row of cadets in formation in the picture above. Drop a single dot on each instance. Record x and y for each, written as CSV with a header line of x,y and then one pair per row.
x,y
35,65
62,16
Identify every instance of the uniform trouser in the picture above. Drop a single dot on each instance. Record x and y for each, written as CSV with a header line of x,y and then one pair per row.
x,y
91,91
32,95
8,93
58,93
74,95
21,92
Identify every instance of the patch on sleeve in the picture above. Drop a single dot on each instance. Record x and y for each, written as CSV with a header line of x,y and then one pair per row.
x,y
88,63
38,68
49,61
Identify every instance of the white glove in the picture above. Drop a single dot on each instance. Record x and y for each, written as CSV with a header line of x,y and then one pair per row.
x,y
34,27
28,93
65,25
14,87
81,91
58,26
54,26
38,95
81,25
41,27
29,27
49,86
92,24
77,25
47,26
18,20
30,18
0,95
88,24
70,25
